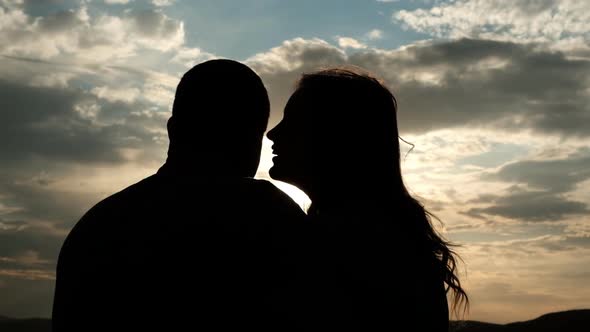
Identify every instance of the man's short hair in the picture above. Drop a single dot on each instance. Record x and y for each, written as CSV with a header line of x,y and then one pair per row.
x,y
224,93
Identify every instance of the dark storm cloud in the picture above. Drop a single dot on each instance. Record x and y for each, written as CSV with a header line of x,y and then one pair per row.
x,y
540,191
458,83
486,83
59,22
33,202
27,268
531,206
28,238
45,2
558,176
50,123
579,241
154,24
38,121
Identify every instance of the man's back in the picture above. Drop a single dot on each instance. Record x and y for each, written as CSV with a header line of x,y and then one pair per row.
x,y
170,251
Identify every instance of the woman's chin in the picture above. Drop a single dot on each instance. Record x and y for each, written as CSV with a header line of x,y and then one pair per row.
x,y
280,173
276,173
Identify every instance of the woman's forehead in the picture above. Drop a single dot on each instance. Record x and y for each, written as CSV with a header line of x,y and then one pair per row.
x,y
304,99
297,100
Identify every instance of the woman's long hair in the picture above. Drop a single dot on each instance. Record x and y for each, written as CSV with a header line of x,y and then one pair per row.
x,y
347,92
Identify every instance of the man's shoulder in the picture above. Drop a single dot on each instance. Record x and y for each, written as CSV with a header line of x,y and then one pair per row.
x,y
132,194
99,219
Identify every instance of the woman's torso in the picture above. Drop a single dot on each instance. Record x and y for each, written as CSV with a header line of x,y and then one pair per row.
x,y
363,272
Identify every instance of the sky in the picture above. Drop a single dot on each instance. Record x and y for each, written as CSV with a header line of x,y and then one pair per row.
x,y
493,94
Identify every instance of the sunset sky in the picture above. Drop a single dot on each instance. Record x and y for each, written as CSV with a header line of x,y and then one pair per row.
x,y
494,94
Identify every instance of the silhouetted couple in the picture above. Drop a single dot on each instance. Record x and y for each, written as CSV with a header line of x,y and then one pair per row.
x,y
201,245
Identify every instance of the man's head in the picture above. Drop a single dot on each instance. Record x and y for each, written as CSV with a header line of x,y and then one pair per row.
x,y
219,117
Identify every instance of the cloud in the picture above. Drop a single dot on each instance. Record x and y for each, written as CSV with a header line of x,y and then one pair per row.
x,y
297,54
67,124
29,247
80,117
27,270
347,42
459,83
71,133
562,23
55,139
497,293
531,206
280,66
374,34
83,116
41,121
191,56
63,149
56,79
499,87
537,275
128,95
475,82
28,274
74,33
539,191
117,2
162,3
155,30
558,175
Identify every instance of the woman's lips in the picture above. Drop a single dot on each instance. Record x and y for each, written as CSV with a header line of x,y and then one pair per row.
x,y
275,157
274,152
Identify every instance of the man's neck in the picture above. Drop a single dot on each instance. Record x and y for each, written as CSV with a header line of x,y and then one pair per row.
x,y
190,167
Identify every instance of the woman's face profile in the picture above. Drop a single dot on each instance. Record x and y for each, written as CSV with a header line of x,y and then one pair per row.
x,y
292,142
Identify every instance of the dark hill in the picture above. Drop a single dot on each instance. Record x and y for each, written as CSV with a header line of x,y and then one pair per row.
x,y
565,321
25,325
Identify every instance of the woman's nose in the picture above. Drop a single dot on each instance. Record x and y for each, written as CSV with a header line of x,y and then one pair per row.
x,y
272,134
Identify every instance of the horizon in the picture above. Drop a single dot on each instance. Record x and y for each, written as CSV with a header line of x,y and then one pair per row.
x,y
498,114
452,320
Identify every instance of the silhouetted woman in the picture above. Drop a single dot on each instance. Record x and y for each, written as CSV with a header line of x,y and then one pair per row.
x,y
374,261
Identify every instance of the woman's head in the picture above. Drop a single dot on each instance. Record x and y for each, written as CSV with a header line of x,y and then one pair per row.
x,y
338,142
339,131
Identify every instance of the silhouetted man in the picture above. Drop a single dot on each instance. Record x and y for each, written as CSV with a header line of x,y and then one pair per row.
x,y
198,245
